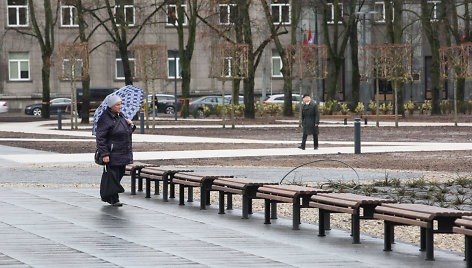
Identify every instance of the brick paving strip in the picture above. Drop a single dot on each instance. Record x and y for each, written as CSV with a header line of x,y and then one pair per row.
x,y
46,227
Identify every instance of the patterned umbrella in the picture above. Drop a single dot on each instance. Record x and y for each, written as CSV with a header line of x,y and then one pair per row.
x,y
131,97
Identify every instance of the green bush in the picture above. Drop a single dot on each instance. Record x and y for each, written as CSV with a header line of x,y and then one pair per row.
x,y
206,111
344,109
373,107
359,108
273,109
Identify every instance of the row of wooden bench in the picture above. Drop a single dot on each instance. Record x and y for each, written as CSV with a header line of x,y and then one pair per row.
x,y
430,219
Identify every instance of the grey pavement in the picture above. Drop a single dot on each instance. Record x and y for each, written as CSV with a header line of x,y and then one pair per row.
x,y
71,227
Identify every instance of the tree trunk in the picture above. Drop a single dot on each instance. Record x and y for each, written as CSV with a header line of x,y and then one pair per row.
x,y
356,77
333,78
288,109
45,77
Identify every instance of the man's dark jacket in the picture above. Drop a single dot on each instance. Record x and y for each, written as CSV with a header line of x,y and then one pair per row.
x,y
114,138
310,117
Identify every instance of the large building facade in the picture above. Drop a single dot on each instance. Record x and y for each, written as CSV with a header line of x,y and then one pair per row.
x,y
20,55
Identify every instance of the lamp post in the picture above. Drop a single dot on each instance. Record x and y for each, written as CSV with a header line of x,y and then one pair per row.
x,y
175,51
364,43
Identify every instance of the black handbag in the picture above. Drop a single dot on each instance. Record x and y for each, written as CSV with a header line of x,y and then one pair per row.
x,y
99,158
109,185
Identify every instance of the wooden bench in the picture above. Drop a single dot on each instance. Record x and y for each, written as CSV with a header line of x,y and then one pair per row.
x,y
133,170
190,180
359,206
381,116
243,186
158,174
464,226
423,216
299,196
345,117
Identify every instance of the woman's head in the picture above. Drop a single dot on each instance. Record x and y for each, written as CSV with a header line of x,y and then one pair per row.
x,y
114,103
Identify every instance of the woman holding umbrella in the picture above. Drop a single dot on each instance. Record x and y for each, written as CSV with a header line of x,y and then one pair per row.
x,y
114,143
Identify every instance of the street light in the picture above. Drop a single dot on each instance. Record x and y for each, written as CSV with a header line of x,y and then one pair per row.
x,y
364,13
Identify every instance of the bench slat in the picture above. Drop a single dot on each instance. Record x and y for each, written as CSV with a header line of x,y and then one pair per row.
x,y
184,182
332,208
334,201
226,189
459,230
402,220
277,192
404,213
229,184
275,197
464,222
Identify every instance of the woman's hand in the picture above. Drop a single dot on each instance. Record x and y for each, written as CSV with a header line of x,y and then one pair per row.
x,y
129,121
106,159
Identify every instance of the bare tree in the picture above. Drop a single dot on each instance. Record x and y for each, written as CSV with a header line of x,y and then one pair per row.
x,y
116,22
43,23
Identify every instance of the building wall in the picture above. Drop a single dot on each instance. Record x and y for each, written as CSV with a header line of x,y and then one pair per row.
x,y
102,60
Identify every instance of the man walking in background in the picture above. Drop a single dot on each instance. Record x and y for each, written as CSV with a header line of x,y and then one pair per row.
x,y
310,121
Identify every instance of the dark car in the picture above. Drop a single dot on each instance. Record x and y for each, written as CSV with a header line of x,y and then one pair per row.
x,y
196,105
97,95
57,104
165,103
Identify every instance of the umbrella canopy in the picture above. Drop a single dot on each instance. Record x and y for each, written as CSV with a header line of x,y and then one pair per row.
x,y
131,98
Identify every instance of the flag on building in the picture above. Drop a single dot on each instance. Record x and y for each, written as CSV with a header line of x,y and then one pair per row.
x,y
305,40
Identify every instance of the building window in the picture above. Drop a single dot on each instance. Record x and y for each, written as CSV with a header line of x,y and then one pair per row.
x,y
228,13
379,7
72,71
19,66
276,64
280,11
17,13
172,15
433,7
128,9
120,72
331,12
69,16
172,60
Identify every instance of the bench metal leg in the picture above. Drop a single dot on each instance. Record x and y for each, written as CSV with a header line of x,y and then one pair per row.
x,y
133,183
203,199
181,194
267,211
273,210
296,214
388,235
249,208
245,207
190,194
321,223
229,200
172,190
345,121
148,188
429,244
140,184
422,239
468,248
156,187
327,224
207,194
355,229
221,202
165,190
365,120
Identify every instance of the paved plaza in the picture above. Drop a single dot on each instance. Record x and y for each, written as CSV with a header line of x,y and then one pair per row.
x,y
64,226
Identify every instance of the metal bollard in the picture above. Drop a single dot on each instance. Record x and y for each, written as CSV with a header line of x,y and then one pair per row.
x,y
357,135
141,121
59,119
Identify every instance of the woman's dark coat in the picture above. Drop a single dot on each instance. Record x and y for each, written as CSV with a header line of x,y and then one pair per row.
x,y
114,140
310,117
